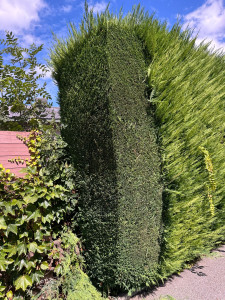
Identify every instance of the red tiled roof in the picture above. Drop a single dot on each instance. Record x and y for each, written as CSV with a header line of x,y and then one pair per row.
x,y
11,147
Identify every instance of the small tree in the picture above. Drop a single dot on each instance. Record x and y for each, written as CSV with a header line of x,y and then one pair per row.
x,y
19,91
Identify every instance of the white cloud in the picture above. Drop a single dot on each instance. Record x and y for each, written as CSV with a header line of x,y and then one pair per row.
x,y
47,75
18,15
29,39
98,7
209,22
67,8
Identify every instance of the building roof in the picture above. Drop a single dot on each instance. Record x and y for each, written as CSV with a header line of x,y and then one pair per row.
x,y
50,112
11,147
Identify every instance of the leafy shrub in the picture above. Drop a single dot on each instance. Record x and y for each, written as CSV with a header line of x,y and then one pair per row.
x,y
32,212
20,91
73,283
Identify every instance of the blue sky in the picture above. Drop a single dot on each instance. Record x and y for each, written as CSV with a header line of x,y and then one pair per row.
x,y
35,20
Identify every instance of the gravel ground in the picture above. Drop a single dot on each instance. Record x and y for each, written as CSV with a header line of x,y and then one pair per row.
x,y
204,281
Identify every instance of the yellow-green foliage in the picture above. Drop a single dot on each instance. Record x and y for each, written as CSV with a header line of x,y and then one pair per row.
x,y
188,94
211,187
83,288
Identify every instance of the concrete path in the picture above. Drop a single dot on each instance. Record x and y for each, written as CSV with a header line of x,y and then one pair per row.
x,y
204,281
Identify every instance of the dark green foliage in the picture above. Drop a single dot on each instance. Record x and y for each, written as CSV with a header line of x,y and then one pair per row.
x,y
113,144
137,160
84,109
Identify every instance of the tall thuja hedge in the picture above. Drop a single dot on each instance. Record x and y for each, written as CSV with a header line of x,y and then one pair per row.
x,y
188,94
101,73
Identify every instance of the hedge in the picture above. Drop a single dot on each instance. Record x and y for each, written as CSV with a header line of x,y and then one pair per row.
x,y
137,159
188,93
101,71
112,139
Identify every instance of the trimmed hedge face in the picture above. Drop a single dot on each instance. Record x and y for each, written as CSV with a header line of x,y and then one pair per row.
x,y
137,160
113,143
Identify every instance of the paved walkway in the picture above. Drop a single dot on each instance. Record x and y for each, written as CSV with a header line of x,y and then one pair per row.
x,y
204,281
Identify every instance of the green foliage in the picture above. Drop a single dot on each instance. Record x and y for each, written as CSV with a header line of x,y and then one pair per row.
x,y
32,212
80,287
19,90
112,141
136,153
73,283
188,92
